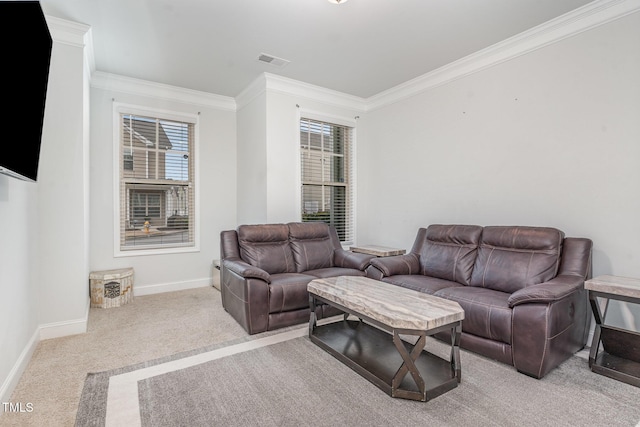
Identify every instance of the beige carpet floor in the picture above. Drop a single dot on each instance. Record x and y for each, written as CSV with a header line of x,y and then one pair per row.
x,y
150,327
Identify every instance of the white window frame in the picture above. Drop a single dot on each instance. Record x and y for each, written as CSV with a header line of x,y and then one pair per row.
x,y
123,108
341,121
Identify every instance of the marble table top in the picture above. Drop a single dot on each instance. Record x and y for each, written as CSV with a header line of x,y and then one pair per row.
x,y
616,285
377,250
391,305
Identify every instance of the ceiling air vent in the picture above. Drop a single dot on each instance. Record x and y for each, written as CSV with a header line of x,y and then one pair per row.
x,y
273,60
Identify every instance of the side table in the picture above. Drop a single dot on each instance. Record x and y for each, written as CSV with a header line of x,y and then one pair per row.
x,y
111,288
620,357
215,274
379,251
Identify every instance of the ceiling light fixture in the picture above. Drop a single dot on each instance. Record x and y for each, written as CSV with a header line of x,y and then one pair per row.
x,y
338,1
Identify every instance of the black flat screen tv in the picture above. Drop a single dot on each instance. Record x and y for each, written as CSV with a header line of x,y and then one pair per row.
x,y
25,54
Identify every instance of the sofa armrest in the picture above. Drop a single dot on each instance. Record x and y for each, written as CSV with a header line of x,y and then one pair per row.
x,y
245,269
399,264
554,290
347,259
550,329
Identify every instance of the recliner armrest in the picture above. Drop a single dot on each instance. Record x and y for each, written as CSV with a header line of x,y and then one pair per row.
x,y
554,290
245,269
347,259
399,264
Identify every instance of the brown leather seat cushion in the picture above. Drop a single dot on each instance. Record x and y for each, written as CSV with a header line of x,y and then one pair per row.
x,y
486,312
288,291
417,282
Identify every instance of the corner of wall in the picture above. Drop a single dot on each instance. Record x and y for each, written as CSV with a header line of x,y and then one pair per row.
x,y
67,327
19,367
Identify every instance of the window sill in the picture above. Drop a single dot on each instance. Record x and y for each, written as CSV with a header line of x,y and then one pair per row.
x,y
159,251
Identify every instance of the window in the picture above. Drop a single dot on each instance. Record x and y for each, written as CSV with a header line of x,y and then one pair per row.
x,y
156,182
325,150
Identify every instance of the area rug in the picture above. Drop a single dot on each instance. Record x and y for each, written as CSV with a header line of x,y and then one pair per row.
x,y
286,380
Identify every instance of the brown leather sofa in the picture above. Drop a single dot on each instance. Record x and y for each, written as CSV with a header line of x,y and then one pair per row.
x,y
522,288
265,270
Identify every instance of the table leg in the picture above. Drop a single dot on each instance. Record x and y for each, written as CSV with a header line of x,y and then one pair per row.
x,y
408,365
456,332
312,316
599,318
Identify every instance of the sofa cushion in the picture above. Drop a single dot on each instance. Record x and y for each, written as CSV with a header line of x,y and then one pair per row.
x,y
311,245
511,258
418,282
486,312
288,291
449,252
267,247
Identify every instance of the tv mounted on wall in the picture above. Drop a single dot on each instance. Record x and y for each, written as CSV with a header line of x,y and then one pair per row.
x,y
25,52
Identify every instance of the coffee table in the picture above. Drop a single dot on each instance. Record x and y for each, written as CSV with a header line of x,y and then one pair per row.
x,y
372,345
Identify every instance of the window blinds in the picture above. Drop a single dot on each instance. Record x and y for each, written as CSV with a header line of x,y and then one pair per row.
x,y
156,183
326,166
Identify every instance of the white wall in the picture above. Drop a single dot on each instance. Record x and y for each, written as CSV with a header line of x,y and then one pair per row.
x,y
251,172
62,197
18,279
268,143
44,249
548,138
283,158
216,184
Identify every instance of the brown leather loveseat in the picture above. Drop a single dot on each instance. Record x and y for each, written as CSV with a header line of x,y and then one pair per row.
x,y
522,288
265,270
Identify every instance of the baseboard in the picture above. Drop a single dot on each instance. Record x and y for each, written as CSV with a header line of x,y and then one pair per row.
x,y
18,369
78,326
67,327
140,290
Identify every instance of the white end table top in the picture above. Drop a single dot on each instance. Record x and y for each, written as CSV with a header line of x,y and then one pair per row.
x,y
616,285
381,251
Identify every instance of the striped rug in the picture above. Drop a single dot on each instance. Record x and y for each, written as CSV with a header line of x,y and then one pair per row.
x,y
283,379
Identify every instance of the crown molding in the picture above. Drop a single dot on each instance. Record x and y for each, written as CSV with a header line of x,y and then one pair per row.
x,y
251,92
267,82
73,34
114,82
582,19
88,52
67,32
287,86
592,15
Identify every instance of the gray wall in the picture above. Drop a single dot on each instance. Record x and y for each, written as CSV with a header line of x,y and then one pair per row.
x,y
549,138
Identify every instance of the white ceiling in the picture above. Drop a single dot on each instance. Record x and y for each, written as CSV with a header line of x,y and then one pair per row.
x,y
361,48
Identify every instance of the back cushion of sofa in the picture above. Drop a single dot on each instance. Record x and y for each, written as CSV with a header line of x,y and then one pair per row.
x,y
266,246
449,251
311,245
512,258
